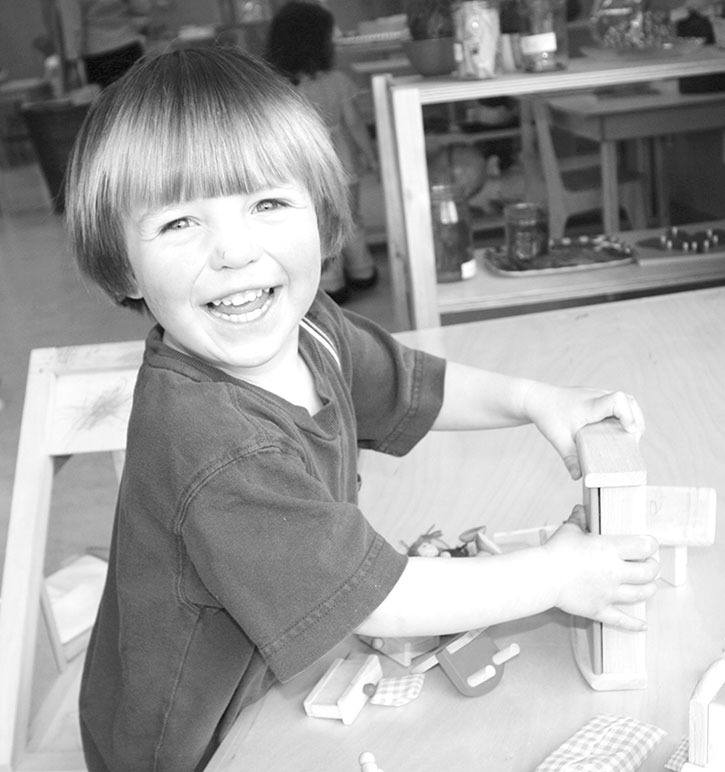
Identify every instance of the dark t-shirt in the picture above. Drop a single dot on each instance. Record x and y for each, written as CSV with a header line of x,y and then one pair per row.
x,y
239,554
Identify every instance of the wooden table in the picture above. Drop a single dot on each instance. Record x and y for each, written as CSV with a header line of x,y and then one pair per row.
x,y
608,118
670,351
399,106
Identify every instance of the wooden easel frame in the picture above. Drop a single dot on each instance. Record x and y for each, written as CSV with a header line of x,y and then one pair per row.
x,y
77,400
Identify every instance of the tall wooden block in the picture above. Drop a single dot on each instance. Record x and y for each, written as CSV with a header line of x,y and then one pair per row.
x,y
615,491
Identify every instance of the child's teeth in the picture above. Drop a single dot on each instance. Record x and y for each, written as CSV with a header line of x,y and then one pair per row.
x,y
239,298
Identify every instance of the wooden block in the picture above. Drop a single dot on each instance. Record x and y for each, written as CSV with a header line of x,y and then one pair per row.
x,y
673,565
524,537
681,516
609,456
706,728
586,634
474,663
614,479
403,650
340,693
622,511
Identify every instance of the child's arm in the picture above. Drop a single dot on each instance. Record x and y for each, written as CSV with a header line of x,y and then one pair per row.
x,y
580,573
479,399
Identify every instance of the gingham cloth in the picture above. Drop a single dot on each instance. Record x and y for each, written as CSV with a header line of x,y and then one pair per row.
x,y
397,691
605,744
677,760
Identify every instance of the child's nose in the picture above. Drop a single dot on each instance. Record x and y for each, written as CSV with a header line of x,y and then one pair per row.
x,y
235,249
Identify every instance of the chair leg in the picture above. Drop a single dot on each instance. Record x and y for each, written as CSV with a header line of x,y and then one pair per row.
x,y
557,222
634,203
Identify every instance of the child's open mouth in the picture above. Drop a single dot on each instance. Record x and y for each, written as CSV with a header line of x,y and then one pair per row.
x,y
242,306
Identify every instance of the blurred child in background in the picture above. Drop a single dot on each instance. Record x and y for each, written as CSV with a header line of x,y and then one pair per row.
x,y
301,47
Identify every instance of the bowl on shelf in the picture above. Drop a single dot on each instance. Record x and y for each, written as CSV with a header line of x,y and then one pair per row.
x,y
431,57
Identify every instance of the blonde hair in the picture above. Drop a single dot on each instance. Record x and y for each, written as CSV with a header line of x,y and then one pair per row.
x,y
193,123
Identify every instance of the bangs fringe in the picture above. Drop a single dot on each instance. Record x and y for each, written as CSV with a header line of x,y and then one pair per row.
x,y
173,153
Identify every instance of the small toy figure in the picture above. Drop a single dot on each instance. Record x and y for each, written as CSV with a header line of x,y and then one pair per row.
x,y
368,763
473,542
430,545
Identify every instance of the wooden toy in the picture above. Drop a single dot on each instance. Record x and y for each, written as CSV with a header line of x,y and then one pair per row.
x,y
524,537
402,650
618,501
368,763
706,750
674,239
474,663
479,543
341,693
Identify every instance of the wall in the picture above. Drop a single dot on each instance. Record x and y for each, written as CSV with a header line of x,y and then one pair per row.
x,y
20,22
697,174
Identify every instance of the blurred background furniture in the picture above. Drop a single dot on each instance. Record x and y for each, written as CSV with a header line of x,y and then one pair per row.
x,y
571,191
399,103
77,400
613,116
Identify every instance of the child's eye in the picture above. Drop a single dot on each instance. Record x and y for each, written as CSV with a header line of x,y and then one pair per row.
x,y
269,205
176,225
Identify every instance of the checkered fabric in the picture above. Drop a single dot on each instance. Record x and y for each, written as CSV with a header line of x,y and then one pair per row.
x,y
679,757
398,691
605,744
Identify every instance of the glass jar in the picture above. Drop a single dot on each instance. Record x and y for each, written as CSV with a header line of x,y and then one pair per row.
x,y
543,38
477,30
527,232
452,235
628,25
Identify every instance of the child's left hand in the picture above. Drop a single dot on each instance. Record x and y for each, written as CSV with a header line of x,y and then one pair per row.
x,y
560,412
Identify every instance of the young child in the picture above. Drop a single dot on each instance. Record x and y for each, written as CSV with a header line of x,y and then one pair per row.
x,y
203,188
301,47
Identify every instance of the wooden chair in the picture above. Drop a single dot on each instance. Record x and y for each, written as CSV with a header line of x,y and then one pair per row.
x,y
77,400
577,190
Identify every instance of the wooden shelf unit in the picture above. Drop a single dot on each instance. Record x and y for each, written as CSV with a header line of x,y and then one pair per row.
x,y
418,300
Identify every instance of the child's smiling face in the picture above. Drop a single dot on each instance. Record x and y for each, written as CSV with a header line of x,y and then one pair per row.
x,y
229,278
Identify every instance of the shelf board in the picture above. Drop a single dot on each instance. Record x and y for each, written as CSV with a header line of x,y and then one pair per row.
x,y
582,73
488,291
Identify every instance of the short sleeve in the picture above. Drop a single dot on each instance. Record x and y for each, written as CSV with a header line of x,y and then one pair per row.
x,y
397,391
296,570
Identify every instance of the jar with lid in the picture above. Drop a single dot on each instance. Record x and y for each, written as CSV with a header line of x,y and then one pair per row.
x,y
527,233
477,33
452,235
543,37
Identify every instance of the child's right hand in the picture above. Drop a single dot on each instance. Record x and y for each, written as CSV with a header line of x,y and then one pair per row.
x,y
597,573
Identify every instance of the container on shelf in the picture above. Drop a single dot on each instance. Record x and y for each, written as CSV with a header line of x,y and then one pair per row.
x,y
527,232
477,32
543,40
452,234
630,25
